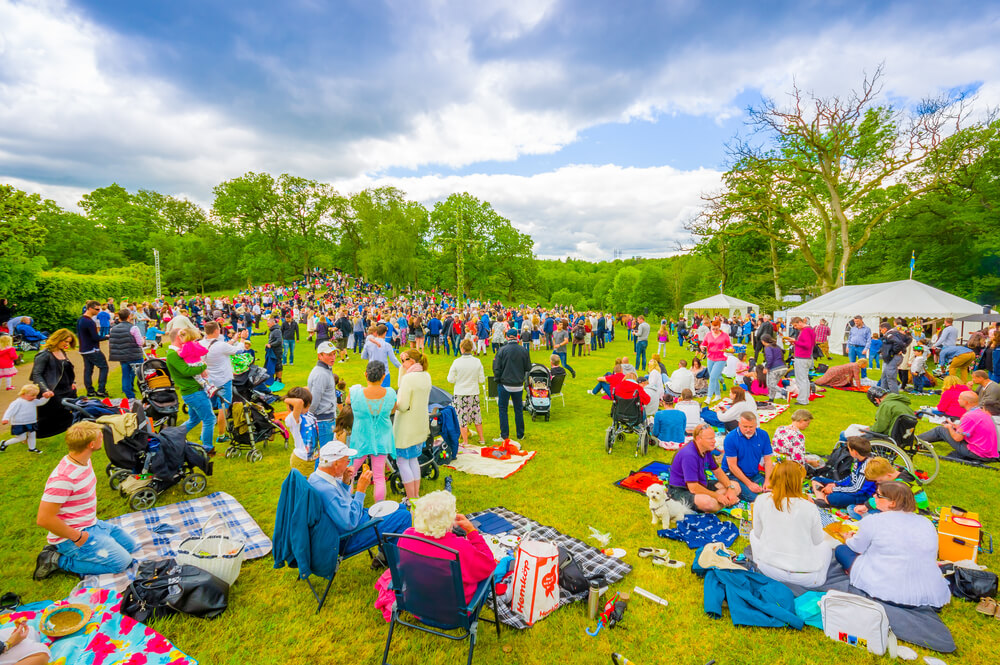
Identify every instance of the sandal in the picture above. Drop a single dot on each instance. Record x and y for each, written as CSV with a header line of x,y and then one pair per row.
x,y
667,562
987,606
652,551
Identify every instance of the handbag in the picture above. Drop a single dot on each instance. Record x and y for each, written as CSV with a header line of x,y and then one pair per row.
x,y
163,587
571,577
969,583
857,621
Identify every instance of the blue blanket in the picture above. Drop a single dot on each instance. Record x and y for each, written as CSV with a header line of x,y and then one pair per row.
x,y
700,530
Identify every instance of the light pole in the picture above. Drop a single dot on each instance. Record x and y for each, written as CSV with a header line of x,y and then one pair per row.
x,y
156,263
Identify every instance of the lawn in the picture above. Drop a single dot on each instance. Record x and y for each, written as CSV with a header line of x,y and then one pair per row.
x,y
272,618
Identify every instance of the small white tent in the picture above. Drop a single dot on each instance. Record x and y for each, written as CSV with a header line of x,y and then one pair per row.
x,y
907,298
721,303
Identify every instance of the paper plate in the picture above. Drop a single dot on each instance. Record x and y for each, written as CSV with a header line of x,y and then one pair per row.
x,y
966,521
510,541
618,552
62,620
383,508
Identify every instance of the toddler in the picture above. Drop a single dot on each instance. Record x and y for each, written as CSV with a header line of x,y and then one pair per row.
x,y
918,369
22,416
874,352
8,356
193,353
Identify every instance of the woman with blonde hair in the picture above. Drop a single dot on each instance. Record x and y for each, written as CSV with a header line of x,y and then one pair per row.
x,y
787,539
410,428
54,375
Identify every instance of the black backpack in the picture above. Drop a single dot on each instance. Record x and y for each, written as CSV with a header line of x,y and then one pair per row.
x,y
838,464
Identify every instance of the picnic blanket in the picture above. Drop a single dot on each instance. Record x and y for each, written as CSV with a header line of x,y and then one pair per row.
x,y
109,637
638,481
469,460
590,559
159,530
850,389
764,413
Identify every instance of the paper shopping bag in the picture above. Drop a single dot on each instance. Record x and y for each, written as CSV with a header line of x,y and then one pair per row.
x,y
536,580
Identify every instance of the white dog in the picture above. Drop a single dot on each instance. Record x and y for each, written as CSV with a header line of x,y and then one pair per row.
x,y
663,508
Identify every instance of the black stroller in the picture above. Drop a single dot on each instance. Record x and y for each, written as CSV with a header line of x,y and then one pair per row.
x,y
538,391
435,452
251,415
159,396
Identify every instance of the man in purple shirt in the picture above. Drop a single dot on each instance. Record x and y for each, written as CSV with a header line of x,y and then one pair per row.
x,y
689,480
803,358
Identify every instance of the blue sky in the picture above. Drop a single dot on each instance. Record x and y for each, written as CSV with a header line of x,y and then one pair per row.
x,y
592,125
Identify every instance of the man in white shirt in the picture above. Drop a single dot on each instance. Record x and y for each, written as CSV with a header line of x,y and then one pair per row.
x,y
681,378
220,369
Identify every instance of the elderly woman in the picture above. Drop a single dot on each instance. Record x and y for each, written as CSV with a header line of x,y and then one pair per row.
x,y
467,375
411,426
844,376
787,539
434,517
54,375
893,555
371,434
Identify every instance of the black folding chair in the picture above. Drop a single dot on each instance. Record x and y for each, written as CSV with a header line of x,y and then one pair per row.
x,y
429,587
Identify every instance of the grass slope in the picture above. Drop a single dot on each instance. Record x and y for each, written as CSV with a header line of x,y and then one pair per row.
x,y
272,619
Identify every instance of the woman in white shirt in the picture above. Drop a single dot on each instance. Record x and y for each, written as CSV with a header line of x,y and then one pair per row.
x,y
654,388
741,401
690,408
893,555
467,374
787,540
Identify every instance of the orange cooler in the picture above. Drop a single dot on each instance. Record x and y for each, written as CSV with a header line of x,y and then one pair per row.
x,y
958,535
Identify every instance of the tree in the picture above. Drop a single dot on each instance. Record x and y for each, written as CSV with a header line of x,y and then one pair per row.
x,y
391,230
833,170
650,294
23,231
621,289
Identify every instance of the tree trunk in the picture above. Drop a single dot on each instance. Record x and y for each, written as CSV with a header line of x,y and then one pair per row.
x,y
775,269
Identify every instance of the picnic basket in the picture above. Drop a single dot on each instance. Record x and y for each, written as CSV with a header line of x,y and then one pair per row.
x,y
215,551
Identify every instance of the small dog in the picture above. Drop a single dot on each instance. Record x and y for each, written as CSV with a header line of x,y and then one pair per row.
x,y
663,508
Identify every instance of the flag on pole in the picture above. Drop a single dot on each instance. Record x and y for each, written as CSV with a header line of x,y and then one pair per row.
x,y
913,262
720,286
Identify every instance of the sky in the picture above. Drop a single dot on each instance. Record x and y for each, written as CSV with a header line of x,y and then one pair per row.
x,y
594,126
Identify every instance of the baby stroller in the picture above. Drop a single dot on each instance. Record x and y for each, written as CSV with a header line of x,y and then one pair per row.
x,y
627,417
251,415
159,397
23,345
538,388
143,464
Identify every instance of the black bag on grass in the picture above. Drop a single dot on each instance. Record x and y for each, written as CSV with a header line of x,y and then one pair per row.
x,y
838,464
571,577
969,584
164,587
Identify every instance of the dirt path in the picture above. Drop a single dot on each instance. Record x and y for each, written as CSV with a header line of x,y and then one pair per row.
x,y
24,375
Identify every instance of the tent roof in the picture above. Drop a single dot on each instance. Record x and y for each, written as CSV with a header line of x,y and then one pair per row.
x,y
720,301
907,298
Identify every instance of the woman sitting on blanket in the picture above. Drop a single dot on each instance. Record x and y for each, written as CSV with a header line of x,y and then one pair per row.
x,y
843,376
22,645
742,401
893,555
434,517
787,540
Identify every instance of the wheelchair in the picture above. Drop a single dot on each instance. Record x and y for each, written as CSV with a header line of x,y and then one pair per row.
x,y
627,417
902,446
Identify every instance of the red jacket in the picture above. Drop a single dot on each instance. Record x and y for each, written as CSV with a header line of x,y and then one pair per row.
x,y
627,389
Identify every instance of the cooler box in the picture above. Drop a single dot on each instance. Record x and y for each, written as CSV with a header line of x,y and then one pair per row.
x,y
958,535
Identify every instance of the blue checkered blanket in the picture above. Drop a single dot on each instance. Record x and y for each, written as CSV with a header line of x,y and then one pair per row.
x,y
159,530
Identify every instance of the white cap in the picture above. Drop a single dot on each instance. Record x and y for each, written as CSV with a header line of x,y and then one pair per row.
x,y
326,347
333,451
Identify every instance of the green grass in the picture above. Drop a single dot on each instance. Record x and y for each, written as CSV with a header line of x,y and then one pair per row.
x,y
272,619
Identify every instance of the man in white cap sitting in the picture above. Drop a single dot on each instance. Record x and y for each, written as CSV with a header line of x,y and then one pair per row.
x,y
346,507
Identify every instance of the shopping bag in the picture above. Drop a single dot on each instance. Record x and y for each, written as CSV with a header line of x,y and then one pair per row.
x,y
536,580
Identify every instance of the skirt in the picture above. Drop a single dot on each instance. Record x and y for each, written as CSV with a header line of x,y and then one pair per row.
x,y
53,417
468,410
412,452
8,371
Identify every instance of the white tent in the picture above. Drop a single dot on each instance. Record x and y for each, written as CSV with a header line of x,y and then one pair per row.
x,y
907,298
721,303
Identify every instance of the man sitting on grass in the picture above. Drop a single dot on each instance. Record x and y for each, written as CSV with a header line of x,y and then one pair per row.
x,y
689,475
745,450
79,543
974,438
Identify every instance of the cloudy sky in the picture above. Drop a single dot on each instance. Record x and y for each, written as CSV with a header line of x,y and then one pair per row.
x,y
592,125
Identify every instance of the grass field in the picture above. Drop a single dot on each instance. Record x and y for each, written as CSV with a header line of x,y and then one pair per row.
x,y
271,617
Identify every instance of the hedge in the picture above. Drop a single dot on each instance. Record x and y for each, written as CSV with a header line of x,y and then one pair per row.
x,y
58,298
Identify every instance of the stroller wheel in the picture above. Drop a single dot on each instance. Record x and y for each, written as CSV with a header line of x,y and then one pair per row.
x,y
116,479
109,469
143,499
609,439
643,444
432,472
546,417
396,484
195,483
255,456
232,452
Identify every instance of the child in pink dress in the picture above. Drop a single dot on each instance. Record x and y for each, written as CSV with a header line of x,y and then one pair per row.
x,y
193,353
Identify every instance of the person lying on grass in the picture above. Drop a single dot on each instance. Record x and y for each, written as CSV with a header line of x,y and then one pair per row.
x,y
689,482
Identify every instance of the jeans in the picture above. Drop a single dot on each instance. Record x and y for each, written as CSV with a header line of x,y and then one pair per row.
x,y
855,351
601,337
640,354
715,368
108,550
802,367
745,493
562,359
548,341
680,341
90,361
514,398
359,342
593,341
224,396
577,347
602,385
845,556
455,349
890,379
288,352
397,522
325,428
200,411
920,382
128,379
434,343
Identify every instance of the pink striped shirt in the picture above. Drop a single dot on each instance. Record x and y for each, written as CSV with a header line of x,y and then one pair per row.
x,y
75,488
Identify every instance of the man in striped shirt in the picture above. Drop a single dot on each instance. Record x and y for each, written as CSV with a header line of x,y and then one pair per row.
x,y
79,543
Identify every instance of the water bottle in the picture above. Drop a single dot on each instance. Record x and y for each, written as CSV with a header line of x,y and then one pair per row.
x,y
593,600
447,484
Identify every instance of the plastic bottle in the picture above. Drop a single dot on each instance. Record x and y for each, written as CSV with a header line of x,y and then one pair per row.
x,y
593,600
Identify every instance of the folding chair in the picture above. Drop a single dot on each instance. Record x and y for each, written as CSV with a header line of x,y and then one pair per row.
x,y
492,393
325,548
555,389
430,587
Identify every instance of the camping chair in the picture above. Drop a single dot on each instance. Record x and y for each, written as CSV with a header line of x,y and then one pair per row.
x,y
319,554
430,587
902,447
492,393
555,389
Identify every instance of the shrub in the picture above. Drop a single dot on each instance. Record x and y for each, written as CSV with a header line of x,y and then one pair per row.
x,y
58,297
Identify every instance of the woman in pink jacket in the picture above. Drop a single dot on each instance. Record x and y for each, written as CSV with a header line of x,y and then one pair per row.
x,y
716,343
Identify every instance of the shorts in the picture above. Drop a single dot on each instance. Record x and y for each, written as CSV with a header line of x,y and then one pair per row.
x,y
468,410
342,343
682,495
223,396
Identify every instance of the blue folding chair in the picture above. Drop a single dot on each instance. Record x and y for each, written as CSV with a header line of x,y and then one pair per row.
x,y
306,538
430,587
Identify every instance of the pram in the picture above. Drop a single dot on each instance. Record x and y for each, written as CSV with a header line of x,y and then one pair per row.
x,y
142,464
627,417
251,415
538,388
23,345
435,450
159,396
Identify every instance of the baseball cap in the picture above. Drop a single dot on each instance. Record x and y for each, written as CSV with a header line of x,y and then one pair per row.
x,y
333,451
326,347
